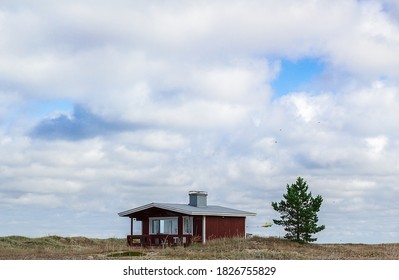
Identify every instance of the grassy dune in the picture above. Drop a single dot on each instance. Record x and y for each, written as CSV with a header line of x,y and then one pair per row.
x,y
82,248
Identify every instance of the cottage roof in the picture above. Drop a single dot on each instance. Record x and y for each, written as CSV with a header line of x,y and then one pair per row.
x,y
209,210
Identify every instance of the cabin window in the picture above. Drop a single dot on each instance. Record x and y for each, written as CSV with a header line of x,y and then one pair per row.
x,y
163,225
187,225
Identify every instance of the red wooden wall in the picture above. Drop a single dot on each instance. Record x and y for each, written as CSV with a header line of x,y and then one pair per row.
x,y
217,227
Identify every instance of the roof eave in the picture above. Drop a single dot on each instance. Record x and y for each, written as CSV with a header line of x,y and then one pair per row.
x,y
224,214
137,209
183,211
158,205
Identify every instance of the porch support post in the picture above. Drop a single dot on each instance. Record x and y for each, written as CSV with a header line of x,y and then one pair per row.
x,y
203,229
131,225
180,225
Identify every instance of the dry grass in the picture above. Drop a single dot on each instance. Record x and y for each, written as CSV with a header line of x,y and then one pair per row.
x,y
56,247
256,248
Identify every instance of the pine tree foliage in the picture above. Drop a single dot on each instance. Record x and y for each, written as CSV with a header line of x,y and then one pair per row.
x,y
298,212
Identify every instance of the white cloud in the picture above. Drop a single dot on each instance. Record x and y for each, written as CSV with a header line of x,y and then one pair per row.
x,y
306,107
161,140
376,145
46,200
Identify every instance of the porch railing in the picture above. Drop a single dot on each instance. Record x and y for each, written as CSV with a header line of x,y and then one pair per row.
x,y
159,240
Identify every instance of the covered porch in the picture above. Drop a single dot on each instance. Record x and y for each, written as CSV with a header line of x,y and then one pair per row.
x,y
159,227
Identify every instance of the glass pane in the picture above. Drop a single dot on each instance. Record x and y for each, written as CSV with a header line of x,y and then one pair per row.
x,y
187,225
174,226
155,227
166,226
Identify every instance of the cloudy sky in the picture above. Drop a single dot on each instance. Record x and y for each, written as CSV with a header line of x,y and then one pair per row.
x,y
109,105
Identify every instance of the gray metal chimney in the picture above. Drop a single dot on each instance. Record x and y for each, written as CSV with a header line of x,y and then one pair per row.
x,y
198,198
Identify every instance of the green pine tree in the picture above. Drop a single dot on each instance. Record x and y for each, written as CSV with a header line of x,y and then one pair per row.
x,y
299,212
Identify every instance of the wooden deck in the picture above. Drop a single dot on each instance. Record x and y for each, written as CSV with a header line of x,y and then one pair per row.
x,y
164,240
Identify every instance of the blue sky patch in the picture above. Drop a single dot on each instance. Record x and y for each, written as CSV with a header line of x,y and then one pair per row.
x,y
44,108
296,75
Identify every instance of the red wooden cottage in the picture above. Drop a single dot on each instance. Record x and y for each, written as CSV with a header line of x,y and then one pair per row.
x,y
181,224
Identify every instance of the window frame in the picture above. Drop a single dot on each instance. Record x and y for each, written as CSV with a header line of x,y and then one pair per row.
x,y
161,225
